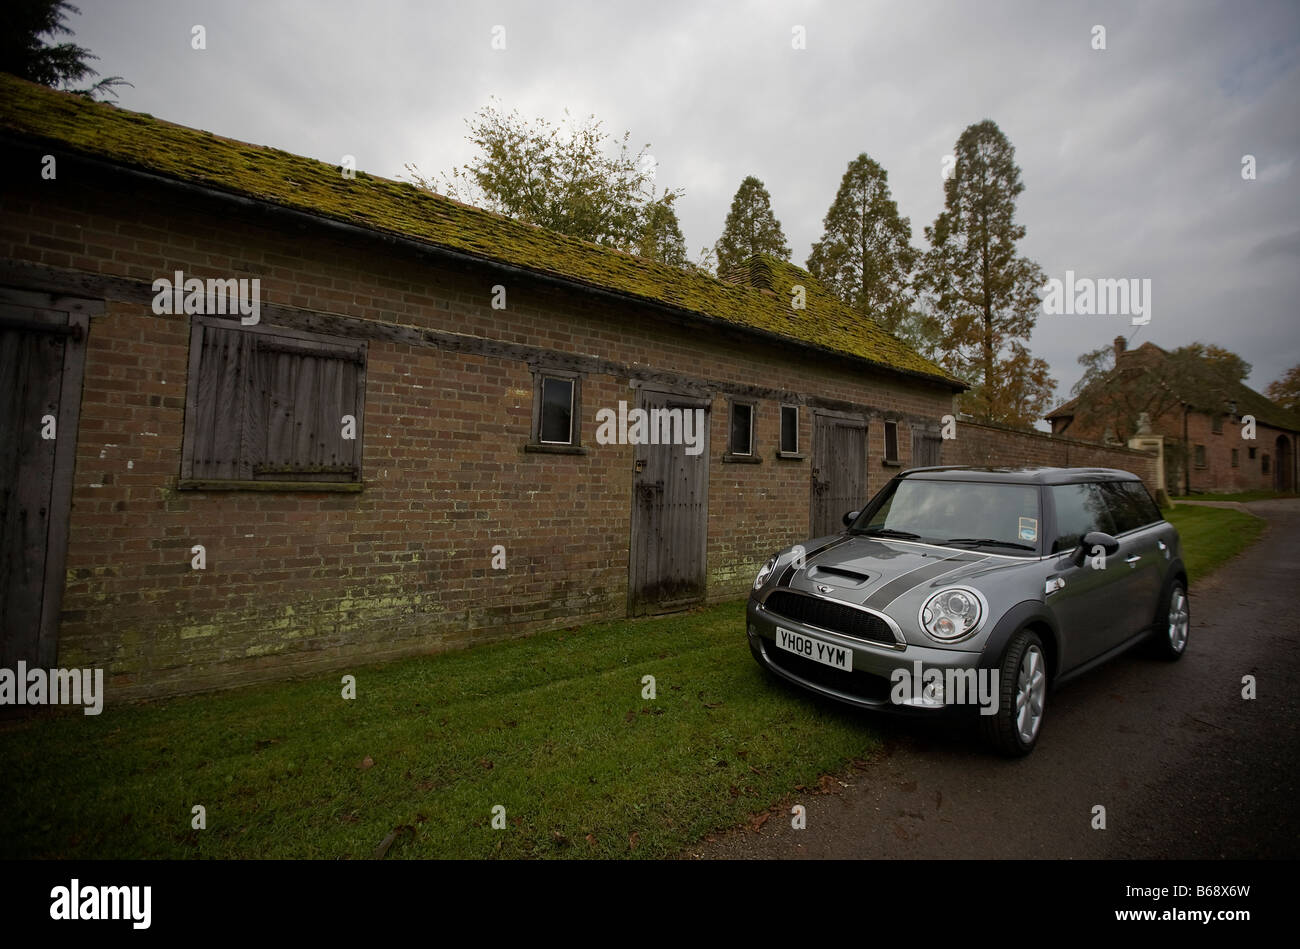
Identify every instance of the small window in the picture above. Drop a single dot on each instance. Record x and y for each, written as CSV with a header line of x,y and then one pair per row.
x,y
1236,458
1263,465
1250,453
557,410
790,429
1216,425
742,428
891,443
1199,456
267,406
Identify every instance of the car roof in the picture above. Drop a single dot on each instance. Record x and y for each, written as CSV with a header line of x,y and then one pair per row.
x,y
1017,475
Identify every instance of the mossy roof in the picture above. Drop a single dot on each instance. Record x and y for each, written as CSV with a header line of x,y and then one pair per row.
x,y
142,142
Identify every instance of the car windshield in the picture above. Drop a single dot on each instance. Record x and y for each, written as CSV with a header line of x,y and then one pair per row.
x,y
1001,518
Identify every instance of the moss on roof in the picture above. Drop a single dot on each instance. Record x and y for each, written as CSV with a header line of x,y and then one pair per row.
x,y
140,141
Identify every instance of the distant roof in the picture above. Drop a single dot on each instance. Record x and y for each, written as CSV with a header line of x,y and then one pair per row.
x,y
141,142
1211,396
1018,475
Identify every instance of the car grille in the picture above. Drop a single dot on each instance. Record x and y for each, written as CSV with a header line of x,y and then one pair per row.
x,y
861,685
827,614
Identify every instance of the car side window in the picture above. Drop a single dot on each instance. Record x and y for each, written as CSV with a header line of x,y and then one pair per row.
x,y
1079,508
1130,509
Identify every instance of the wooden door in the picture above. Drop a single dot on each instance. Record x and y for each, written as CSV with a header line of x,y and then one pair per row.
x,y
670,517
42,353
839,472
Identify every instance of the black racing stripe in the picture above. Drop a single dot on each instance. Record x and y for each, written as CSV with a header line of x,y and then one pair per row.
x,y
896,587
790,571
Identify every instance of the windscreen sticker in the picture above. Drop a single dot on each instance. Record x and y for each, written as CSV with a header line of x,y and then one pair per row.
x,y
1029,529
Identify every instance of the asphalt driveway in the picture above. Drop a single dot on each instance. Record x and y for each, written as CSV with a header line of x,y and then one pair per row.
x,y
1183,765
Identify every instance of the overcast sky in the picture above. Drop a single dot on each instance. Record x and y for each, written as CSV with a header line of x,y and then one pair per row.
x,y
1131,156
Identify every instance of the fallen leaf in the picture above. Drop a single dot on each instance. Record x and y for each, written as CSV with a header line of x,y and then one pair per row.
x,y
591,840
366,762
632,839
759,821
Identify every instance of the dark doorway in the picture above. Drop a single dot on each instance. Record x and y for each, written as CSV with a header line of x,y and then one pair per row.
x,y
42,354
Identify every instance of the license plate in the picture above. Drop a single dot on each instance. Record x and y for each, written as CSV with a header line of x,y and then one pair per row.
x,y
828,654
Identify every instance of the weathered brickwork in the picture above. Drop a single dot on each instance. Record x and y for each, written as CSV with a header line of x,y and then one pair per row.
x,y
979,444
302,581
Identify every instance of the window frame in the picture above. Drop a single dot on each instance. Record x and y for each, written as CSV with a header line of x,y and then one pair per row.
x,y
893,461
574,445
751,456
359,352
1199,456
798,453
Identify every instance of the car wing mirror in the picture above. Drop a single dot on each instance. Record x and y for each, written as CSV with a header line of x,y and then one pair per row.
x,y
1090,542
850,517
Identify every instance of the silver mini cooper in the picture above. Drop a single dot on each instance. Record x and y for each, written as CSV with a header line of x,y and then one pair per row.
x,y
974,587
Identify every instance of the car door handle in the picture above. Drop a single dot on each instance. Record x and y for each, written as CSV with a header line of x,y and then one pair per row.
x,y
1132,560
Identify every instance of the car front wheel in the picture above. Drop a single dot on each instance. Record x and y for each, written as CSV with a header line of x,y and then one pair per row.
x,y
1173,623
1022,697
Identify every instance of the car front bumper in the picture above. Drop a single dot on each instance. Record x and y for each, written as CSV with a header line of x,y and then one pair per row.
x,y
874,682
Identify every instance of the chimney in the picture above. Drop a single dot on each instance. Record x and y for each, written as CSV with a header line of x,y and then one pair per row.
x,y
1119,348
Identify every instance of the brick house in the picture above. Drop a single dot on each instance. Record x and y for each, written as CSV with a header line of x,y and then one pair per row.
x,y
1202,423
396,450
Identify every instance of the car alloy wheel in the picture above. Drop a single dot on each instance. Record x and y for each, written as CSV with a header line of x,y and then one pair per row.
x,y
1172,628
1031,692
1179,619
1014,727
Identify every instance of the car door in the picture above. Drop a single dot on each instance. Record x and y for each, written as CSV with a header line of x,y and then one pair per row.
x,y
1081,596
1138,523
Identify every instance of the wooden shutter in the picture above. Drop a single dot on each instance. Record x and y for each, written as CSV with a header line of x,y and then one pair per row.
x,y
268,406
926,448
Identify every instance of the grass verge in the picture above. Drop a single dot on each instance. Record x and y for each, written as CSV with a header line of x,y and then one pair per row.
x,y
553,728
1212,535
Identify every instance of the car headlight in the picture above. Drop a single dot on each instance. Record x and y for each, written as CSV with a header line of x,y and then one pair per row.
x,y
952,614
764,574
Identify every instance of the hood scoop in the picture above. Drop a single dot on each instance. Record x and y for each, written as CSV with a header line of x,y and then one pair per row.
x,y
838,577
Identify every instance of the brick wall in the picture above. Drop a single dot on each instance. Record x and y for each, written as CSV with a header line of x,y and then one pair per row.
x,y
979,444
299,582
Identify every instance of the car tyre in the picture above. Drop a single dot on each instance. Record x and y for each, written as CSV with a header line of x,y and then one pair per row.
x,y
1173,626
1022,697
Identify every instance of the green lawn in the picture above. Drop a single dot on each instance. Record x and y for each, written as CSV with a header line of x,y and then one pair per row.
x,y
1239,496
554,728
1212,535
